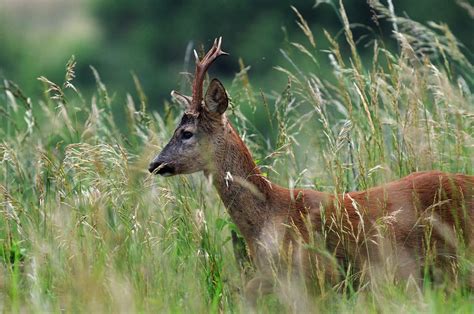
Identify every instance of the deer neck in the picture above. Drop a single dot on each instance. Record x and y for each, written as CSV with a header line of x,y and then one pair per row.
x,y
240,184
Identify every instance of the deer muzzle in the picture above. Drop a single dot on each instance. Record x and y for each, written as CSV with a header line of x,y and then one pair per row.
x,y
161,168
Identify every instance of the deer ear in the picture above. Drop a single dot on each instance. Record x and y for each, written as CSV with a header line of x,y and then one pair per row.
x,y
216,97
181,99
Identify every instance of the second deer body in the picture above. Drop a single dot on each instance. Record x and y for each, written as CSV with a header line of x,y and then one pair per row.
x,y
418,223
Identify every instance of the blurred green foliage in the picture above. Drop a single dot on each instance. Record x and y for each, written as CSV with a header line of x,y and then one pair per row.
x,y
154,38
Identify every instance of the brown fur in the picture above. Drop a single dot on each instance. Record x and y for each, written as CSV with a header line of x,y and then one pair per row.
x,y
398,212
422,220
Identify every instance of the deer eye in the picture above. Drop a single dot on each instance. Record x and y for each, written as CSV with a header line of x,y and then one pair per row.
x,y
187,135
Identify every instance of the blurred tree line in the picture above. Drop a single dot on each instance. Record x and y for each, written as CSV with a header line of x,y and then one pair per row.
x,y
154,39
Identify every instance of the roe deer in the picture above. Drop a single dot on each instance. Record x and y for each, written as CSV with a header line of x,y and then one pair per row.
x,y
423,219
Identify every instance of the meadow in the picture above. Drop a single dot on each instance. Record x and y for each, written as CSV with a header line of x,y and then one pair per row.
x,y
85,228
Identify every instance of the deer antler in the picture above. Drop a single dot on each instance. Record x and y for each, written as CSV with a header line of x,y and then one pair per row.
x,y
201,69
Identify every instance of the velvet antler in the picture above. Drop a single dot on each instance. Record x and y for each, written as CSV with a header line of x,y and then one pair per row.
x,y
201,68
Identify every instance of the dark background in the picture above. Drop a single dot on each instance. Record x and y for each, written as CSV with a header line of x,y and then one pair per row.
x,y
150,38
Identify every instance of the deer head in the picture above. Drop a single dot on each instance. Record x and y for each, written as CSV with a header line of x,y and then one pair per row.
x,y
189,149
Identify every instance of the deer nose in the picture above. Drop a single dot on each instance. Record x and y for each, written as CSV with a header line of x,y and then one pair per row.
x,y
153,165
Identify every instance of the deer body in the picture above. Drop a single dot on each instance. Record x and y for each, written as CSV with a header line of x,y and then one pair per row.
x,y
262,209
292,228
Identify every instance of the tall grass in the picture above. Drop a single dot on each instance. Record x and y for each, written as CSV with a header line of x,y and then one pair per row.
x,y
85,228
